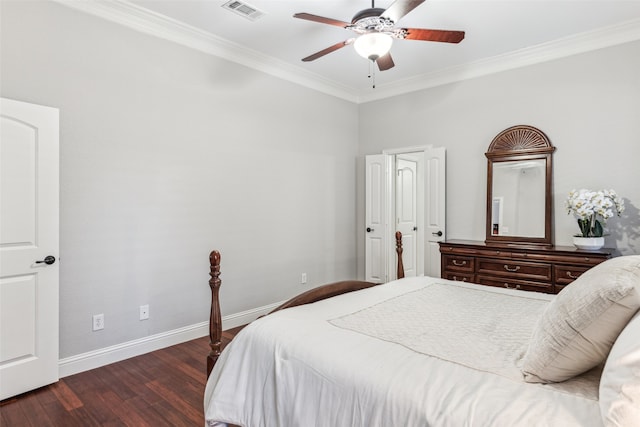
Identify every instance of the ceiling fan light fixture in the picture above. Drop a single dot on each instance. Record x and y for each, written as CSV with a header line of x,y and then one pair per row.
x,y
373,45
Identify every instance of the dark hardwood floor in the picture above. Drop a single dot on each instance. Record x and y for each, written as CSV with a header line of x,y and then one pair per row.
x,y
161,388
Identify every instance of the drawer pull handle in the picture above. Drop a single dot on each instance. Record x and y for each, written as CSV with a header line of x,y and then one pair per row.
x,y
461,279
511,269
573,276
459,263
506,285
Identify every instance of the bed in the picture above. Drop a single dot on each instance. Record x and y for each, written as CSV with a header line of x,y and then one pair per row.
x,y
426,351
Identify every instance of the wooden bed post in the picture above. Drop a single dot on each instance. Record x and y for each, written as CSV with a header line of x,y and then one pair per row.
x,y
400,273
215,319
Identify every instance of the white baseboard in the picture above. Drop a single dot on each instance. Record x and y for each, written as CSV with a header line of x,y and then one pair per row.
x,y
115,353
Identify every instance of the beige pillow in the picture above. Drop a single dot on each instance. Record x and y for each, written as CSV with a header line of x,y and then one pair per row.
x,y
578,327
620,381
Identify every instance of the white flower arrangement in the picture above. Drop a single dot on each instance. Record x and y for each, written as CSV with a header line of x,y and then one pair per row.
x,y
588,206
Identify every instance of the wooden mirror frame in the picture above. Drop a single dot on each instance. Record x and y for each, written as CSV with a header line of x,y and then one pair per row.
x,y
521,142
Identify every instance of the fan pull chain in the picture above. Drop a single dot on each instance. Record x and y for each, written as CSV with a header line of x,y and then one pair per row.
x,y
372,73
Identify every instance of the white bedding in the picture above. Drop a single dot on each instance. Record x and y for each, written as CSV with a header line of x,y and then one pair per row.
x,y
297,368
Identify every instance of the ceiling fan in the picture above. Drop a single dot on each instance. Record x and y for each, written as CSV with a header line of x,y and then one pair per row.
x,y
376,31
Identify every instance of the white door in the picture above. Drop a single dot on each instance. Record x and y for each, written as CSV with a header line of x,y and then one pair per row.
x,y
435,208
28,235
406,209
422,254
375,218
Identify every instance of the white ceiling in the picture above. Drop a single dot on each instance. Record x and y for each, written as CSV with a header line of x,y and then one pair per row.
x,y
495,31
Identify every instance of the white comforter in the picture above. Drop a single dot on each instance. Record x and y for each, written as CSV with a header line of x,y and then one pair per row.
x,y
333,363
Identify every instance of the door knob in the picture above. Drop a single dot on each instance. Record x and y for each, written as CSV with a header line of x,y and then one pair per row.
x,y
369,229
439,233
47,260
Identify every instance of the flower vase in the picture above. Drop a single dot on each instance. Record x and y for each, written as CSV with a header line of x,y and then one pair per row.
x,y
588,243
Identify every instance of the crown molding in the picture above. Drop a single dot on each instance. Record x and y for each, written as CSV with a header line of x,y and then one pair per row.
x,y
585,42
152,23
146,21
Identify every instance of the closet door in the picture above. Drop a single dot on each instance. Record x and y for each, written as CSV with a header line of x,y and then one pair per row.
x,y
404,191
435,208
375,218
407,209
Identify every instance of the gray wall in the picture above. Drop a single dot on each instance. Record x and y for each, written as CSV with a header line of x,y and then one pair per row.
x,y
588,105
167,153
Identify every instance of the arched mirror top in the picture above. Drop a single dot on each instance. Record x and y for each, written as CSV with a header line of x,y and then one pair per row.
x,y
519,188
519,140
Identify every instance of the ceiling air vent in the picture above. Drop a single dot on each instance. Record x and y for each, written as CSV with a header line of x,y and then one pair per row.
x,y
243,9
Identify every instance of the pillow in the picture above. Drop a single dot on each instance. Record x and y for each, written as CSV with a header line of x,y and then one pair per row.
x,y
620,382
578,327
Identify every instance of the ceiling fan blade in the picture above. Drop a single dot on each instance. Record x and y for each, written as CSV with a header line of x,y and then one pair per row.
x,y
400,8
385,62
321,19
434,35
330,49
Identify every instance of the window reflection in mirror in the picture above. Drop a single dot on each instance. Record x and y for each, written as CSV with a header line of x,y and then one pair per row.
x,y
518,199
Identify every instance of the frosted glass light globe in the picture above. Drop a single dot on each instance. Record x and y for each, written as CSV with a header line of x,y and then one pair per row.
x,y
373,45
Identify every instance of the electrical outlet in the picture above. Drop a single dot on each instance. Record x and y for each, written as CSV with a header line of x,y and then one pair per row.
x,y
98,322
144,312
303,278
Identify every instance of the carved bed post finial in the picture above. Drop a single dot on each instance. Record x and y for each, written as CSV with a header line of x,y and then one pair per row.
x,y
215,319
400,272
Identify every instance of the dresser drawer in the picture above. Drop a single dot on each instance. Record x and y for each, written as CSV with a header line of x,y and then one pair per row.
x,y
535,268
457,263
495,253
524,285
458,277
576,259
565,274
514,269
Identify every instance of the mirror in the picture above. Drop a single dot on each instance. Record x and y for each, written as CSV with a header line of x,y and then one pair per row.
x,y
519,175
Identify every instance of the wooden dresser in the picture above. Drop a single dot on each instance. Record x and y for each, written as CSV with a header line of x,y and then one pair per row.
x,y
532,269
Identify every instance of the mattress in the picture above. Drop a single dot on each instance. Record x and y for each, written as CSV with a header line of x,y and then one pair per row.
x,y
413,352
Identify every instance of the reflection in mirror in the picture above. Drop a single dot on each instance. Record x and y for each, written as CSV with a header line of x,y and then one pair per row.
x,y
519,198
